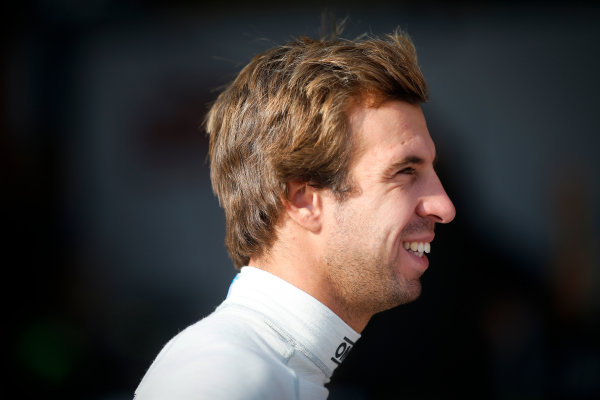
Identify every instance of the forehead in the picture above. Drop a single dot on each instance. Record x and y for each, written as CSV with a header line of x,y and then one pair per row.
x,y
389,133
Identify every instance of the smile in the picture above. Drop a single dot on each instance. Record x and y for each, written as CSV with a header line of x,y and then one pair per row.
x,y
417,248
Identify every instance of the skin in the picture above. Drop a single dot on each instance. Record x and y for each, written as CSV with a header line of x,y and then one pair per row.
x,y
349,254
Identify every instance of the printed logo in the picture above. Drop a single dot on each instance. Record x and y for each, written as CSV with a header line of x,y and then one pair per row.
x,y
342,351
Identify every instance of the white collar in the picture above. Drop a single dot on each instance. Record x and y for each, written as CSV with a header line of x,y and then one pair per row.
x,y
315,328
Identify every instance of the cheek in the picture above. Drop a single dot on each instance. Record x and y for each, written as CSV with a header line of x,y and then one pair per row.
x,y
378,218
398,211
391,222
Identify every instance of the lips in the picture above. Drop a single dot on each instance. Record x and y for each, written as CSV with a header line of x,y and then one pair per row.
x,y
417,248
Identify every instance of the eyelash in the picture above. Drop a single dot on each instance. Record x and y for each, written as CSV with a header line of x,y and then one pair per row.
x,y
408,170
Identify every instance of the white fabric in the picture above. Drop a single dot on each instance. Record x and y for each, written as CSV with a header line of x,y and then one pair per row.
x,y
267,340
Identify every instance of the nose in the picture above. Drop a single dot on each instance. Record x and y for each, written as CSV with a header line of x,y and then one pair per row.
x,y
435,203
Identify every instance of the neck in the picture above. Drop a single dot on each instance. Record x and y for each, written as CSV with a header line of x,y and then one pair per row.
x,y
303,269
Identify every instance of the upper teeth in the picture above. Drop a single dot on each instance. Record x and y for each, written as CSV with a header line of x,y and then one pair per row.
x,y
418,247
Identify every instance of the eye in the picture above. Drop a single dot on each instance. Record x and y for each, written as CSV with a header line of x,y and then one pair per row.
x,y
407,171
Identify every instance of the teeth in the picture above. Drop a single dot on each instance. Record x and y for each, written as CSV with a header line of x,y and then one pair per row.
x,y
418,247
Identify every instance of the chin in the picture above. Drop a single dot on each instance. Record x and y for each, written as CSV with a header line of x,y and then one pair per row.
x,y
409,293
401,296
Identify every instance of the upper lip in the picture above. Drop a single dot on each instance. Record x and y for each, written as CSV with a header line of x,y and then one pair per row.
x,y
425,239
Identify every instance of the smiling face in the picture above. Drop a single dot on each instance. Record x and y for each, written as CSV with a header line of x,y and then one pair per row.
x,y
377,237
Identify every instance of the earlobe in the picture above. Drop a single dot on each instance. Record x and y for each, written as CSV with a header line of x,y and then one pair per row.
x,y
303,205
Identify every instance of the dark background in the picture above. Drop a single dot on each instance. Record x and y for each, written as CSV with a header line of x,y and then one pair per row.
x,y
114,240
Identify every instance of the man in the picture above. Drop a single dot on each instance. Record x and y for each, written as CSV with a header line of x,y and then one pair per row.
x,y
321,159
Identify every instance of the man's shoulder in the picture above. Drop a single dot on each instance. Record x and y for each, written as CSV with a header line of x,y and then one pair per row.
x,y
220,356
230,331
226,333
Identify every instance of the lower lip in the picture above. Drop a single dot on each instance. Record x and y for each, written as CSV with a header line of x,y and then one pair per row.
x,y
421,262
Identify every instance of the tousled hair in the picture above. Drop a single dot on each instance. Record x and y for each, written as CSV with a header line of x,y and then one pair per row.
x,y
285,118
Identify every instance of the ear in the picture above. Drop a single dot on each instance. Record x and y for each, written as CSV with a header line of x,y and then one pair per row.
x,y
304,206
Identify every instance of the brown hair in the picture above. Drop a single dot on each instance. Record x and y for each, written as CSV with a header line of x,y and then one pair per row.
x,y
284,118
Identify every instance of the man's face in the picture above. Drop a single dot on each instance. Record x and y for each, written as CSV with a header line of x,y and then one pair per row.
x,y
397,200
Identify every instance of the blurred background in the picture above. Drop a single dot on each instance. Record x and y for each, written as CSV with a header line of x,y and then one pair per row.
x,y
114,240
